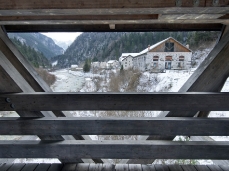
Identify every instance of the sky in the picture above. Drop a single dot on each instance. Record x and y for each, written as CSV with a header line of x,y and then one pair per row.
x,y
62,36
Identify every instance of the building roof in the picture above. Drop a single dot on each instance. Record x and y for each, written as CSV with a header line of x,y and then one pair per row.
x,y
111,61
124,55
157,44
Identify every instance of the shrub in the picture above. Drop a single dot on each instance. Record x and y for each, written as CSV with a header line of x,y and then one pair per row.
x,y
46,76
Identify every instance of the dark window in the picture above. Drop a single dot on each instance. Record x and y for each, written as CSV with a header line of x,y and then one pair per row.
x,y
155,58
181,58
169,47
168,58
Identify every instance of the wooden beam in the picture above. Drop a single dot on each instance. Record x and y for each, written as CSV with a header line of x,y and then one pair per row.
x,y
100,4
190,101
7,82
55,27
115,149
81,17
115,126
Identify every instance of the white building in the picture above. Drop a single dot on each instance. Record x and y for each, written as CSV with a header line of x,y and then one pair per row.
x,y
112,64
126,60
167,54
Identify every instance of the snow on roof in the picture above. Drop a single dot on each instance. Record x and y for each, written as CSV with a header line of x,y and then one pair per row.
x,y
129,54
74,66
124,55
111,61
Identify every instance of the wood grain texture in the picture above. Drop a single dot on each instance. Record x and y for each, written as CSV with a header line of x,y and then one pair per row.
x,y
190,101
114,149
114,126
100,4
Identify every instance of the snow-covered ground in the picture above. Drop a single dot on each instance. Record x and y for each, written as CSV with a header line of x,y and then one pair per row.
x,y
68,81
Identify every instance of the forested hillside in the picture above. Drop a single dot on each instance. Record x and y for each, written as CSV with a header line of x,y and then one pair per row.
x,y
36,58
106,46
39,42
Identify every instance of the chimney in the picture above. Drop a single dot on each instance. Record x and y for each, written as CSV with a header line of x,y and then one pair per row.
x,y
148,47
187,46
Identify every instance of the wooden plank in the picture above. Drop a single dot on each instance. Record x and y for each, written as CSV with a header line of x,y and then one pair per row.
x,y
108,167
122,21
90,4
42,167
119,27
161,167
55,167
114,126
82,167
83,17
114,149
188,168
190,101
202,168
121,167
214,168
16,167
6,166
224,167
6,82
29,167
175,168
69,167
135,167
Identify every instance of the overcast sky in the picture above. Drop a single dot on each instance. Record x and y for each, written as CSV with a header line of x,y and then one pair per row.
x,y
63,36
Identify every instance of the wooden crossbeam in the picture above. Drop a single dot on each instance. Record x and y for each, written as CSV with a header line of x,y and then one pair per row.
x,y
100,4
114,149
42,101
115,126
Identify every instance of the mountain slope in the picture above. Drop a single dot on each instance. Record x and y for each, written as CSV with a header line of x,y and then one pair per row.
x,y
39,42
34,57
106,46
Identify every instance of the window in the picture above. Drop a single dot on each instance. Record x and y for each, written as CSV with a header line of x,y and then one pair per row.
x,y
181,58
169,47
155,58
168,58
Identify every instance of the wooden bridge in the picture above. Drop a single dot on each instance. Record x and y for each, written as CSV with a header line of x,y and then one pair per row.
x,y
109,167
41,110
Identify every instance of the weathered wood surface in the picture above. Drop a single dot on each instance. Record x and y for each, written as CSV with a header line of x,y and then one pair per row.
x,y
125,167
114,149
6,82
115,126
134,15
190,101
90,4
